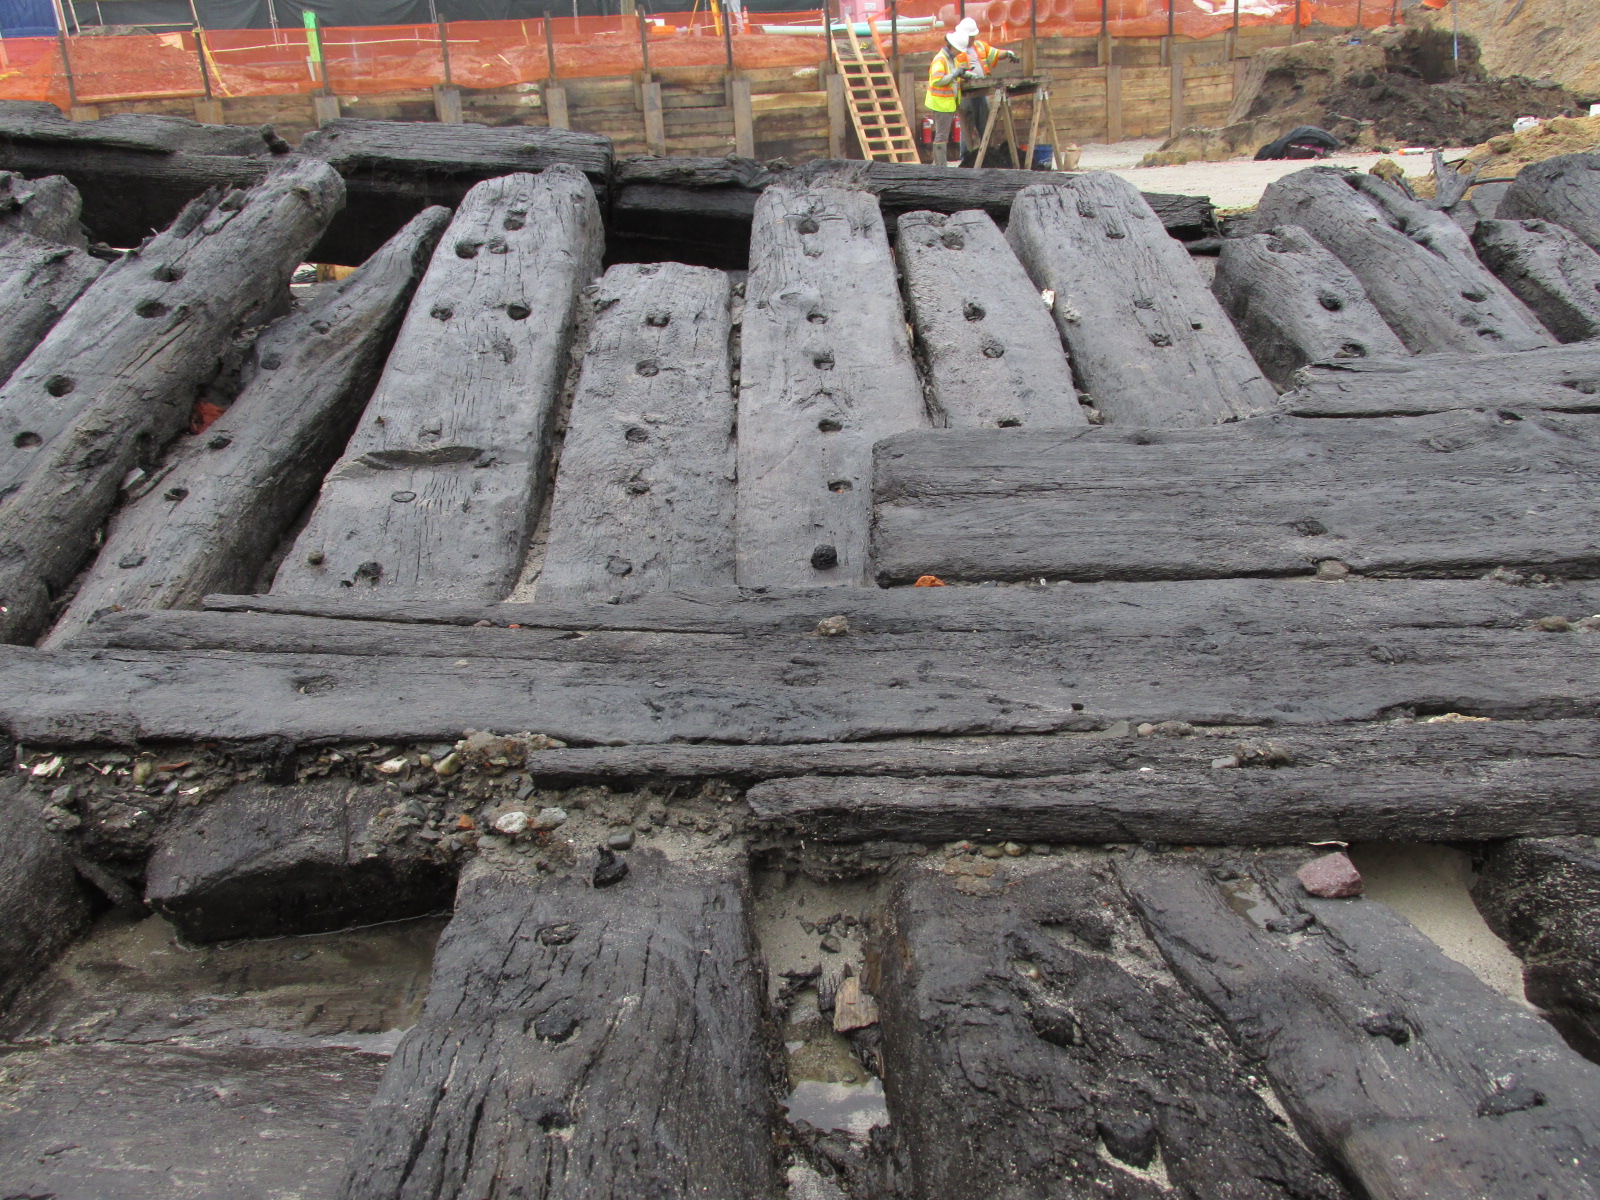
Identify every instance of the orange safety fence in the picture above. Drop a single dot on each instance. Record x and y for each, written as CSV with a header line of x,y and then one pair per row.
x,y
370,60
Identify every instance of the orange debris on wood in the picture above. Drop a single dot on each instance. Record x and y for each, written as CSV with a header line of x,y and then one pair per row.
x,y
929,581
203,414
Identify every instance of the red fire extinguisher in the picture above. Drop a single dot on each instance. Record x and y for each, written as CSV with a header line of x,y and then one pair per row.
x,y
927,130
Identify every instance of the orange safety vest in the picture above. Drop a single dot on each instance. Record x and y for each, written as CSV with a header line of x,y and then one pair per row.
x,y
944,93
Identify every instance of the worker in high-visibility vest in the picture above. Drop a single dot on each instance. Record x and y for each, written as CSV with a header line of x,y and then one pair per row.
x,y
963,56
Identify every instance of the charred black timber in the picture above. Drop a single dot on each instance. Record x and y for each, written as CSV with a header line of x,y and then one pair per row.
x,y
1018,1046
991,351
224,497
613,1049
40,890
39,280
1426,648
1458,493
1550,269
1542,895
46,208
1416,264
1149,343
266,860
1561,378
644,499
437,488
116,379
1394,1061
1564,189
825,371
1295,303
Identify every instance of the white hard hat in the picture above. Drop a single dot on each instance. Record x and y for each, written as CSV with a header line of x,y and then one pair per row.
x,y
968,28
959,38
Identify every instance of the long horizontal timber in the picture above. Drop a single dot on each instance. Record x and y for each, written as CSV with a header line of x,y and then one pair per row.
x,y
1149,342
1025,1038
1416,264
116,379
1550,269
1451,494
645,491
1564,189
46,208
1295,303
1542,895
225,496
991,351
1393,1060
445,473
582,1041
39,280
1429,648
825,371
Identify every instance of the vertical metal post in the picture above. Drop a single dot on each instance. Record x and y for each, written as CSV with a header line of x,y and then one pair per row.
x,y
644,44
894,37
1294,32
1455,35
200,50
827,34
444,51
66,64
1358,13
1172,24
1033,40
549,47
1233,34
726,22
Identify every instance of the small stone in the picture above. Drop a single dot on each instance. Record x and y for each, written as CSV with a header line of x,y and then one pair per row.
x,y
1223,763
448,765
485,623
852,1007
833,626
1295,924
1131,1139
59,819
1262,754
1554,624
610,869
1331,568
465,822
391,766
1510,1100
1014,850
1331,877
511,824
830,945
622,839
991,851
550,818
1387,1025
1174,729
1145,730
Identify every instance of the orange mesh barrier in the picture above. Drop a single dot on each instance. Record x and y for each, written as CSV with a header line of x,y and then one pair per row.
x,y
371,60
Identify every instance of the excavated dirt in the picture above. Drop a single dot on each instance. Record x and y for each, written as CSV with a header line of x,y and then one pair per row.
x,y
1557,40
1387,89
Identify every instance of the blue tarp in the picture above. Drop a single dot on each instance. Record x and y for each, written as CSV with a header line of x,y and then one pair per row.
x,y
27,18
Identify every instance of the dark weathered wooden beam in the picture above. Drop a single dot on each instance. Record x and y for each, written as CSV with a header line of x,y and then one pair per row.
x,y
39,280
1550,269
30,123
38,887
1416,264
1564,189
227,495
1370,655
1024,1038
582,1042
989,348
116,379
825,372
445,473
645,491
1561,378
46,208
1149,343
1452,494
1295,303
1542,895
266,860
1394,1061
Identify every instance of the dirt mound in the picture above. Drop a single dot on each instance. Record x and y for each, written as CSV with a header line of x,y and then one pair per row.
x,y
1557,40
1379,91
1508,153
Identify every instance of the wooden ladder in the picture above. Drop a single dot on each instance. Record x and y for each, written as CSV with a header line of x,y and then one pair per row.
x,y
874,100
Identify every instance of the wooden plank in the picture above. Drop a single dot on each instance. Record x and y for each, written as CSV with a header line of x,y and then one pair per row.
x,y
114,381
271,860
1542,895
39,280
644,498
826,371
1437,297
744,121
1048,666
226,496
555,99
655,134
990,350
1395,1062
447,105
617,1049
1294,303
443,477
39,887
1149,344
39,124
1563,378
1453,494
1175,84
1550,269
1564,190
45,208
837,115
1113,103
1016,1044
